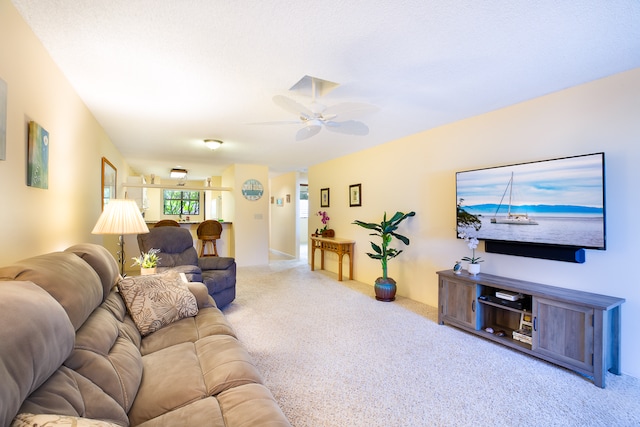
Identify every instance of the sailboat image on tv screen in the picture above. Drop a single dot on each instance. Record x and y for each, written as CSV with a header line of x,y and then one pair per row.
x,y
511,218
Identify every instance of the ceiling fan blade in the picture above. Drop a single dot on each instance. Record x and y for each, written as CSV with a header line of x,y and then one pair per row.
x,y
350,127
307,132
292,106
350,110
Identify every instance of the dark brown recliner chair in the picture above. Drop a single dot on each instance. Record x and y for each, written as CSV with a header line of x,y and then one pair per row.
x,y
177,253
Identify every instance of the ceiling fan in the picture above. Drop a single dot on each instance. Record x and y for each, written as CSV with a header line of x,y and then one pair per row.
x,y
335,118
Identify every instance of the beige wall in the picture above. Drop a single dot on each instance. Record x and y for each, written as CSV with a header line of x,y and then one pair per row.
x,y
250,217
418,173
284,229
32,220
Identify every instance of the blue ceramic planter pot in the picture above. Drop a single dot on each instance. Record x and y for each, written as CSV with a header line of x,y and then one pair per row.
x,y
385,289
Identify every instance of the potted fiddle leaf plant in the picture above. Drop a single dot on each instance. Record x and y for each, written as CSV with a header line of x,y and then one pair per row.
x,y
385,287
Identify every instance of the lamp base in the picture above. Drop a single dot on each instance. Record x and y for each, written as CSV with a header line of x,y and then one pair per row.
x,y
121,255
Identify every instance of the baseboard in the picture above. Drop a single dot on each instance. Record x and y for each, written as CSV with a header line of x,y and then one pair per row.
x,y
552,252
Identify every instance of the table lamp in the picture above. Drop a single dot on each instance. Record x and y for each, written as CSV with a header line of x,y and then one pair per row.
x,y
121,217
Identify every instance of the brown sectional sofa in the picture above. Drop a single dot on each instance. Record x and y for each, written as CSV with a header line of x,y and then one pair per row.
x,y
71,351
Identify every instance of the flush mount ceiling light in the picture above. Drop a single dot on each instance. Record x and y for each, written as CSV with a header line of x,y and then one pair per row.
x,y
178,173
212,144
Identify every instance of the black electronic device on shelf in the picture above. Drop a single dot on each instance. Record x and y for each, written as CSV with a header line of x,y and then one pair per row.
x,y
521,304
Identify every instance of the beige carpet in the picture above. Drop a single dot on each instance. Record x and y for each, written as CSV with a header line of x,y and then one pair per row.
x,y
334,356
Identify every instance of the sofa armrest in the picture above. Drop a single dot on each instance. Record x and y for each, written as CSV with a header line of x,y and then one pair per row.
x,y
216,263
200,291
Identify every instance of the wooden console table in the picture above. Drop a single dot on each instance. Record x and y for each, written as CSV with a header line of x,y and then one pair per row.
x,y
332,244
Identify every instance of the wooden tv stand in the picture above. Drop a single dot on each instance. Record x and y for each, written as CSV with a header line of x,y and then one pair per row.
x,y
574,329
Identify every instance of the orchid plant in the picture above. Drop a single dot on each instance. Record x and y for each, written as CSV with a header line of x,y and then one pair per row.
x,y
147,260
324,217
472,242
467,221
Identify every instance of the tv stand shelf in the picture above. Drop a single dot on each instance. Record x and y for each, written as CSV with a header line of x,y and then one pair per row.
x,y
574,329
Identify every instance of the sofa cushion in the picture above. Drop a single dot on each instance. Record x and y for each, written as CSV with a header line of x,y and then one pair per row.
x,y
204,412
157,300
172,378
67,392
251,405
35,338
108,358
225,363
69,279
101,260
184,373
33,420
115,305
209,321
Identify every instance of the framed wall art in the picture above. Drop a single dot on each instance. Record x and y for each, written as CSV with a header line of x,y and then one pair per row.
x,y
355,195
38,162
109,180
324,197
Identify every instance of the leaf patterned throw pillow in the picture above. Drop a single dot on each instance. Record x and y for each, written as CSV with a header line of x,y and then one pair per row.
x,y
31,420
157,300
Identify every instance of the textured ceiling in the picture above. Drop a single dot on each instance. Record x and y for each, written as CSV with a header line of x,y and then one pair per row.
x,y
162,75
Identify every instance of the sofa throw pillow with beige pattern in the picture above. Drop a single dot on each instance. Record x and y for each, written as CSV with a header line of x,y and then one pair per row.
x,y
31,420
157,300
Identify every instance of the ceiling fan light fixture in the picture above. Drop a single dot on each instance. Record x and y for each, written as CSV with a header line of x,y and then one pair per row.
x,y
212,144
178,173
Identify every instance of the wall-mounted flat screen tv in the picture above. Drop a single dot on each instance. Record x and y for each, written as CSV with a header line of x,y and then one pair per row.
x,y
552,202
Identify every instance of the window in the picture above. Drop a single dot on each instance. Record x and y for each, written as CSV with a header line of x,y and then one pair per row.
x,y
177,202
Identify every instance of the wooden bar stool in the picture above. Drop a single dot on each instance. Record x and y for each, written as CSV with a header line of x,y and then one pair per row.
x,y
167,223
208,232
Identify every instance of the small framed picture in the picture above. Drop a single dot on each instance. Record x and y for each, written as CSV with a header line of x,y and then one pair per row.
x,y
355,195
288,198
324,197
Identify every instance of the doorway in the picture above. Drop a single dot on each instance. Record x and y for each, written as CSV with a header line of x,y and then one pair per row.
x,y
303,220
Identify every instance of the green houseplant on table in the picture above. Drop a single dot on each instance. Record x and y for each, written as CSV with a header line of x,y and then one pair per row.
x,y
148,261
385,287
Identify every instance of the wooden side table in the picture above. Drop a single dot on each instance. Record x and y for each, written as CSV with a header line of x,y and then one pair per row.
x,y
332,244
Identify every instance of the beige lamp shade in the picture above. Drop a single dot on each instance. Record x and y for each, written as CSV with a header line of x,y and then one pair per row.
x,y
120,217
